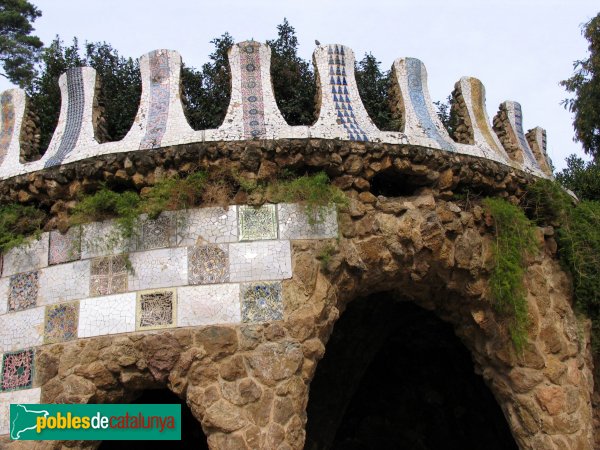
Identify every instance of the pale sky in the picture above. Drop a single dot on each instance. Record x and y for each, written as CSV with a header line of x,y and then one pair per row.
x,y
520,50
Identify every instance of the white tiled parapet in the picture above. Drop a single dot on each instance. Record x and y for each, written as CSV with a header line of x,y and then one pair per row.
x,y
421,122
515,120
12,109
536,138
252,111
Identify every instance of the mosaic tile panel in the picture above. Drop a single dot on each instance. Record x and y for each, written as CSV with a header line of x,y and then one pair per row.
x,y
159,99
207,305
416,92
100,316
74,119
252,95
108,275
158,268
64,282
208,264
17,370
23,291
340,95
26,396
32,255
102,239
157,233
295,222
21,329
207,226
515,108
478,104
64,247
156,309
261,302
61,322
261,260
257,223
7,109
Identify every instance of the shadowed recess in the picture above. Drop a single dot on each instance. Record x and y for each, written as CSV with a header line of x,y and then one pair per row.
x,y
395,376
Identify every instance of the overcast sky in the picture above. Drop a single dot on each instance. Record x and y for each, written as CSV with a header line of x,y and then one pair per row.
x,y
520,50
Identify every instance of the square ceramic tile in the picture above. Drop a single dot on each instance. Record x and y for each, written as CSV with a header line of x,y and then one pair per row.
x,y
108,275
257,223
260,261
21,329
157,233
17,370
113,314
23,291
207,226
65,247
61,322
298,222
207,305
208,264
29,256
261,302
156,309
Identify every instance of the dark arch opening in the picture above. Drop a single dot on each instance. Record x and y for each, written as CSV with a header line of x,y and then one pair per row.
x,y
192,436
395,376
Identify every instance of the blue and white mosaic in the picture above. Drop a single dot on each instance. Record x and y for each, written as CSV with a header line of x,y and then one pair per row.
x,y
261,302
159,100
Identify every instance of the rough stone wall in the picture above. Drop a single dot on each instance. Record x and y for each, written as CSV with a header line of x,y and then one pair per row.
x,y
248,384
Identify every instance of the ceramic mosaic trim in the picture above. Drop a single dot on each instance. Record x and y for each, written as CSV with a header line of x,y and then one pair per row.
x,y
295,222
261,302
157,233
74,120
515,116
537,142
108,275
64,247
31,255
17,370
208,264
156,309
340,94
252,96
257,223
7,109
260,261
482,122
416,80
21,329
207,226
23,291
208,305
159,99
60,323
113,314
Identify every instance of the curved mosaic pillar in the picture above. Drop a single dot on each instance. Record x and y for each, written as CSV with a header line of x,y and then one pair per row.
x,y
418,114
75,129
536,138
508,125
252,111
12,111
160,119
341,113
474,124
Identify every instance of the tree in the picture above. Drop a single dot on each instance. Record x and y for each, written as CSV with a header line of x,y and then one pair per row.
x,y
446,114
582,177
18,48
373,86
293,80
585,84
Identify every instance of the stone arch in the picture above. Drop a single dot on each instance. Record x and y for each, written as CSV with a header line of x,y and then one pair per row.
x,y
437,253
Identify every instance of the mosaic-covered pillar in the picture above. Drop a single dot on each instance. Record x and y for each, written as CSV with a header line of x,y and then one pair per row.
x,y
252,111
508,125
474,124
414,106
536,138
75,129
341,112
160,119
12,110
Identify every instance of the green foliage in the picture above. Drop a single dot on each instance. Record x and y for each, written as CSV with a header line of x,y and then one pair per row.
x,y
18,223
314,191
548,202
325,255
293,80
120,81
19,50
446,114
515,239
106,204
373,86
174,193
585,85
582,177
